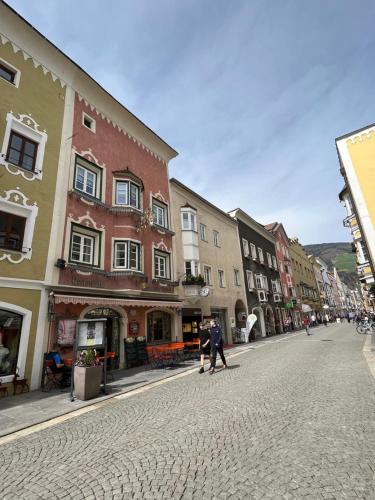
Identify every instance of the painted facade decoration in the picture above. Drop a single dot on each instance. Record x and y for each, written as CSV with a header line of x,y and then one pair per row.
x,y
261,275
208,265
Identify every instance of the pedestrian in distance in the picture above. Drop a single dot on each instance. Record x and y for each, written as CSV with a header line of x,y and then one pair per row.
x,y
204,344
313,320
217,346
306,324
325,319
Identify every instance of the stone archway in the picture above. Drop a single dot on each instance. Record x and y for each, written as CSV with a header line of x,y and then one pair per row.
x,y
259,328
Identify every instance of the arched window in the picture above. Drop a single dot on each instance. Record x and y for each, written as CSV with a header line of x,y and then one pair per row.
x,y
10,334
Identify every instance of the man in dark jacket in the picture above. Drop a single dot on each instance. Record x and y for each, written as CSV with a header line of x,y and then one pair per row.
x,y
217,346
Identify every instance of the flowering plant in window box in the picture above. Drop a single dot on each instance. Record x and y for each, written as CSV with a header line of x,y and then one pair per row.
x,y
194,280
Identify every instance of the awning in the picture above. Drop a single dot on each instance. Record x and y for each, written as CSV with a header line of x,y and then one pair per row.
x,y
306,308
105,301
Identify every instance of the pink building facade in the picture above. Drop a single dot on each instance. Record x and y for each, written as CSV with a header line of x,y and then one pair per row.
x,y
116,257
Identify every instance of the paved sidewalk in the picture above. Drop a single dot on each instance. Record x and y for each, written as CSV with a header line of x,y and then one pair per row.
x,y
24,410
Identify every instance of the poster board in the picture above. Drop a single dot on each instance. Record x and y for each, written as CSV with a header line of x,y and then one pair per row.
x,y
66,330
90,333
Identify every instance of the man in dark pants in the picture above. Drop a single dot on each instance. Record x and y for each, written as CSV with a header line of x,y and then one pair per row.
x,y
217,346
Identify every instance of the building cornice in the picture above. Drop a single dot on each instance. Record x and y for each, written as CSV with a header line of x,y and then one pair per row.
x,y
239,214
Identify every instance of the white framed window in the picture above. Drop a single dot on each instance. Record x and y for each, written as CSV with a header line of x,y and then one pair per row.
x,y
161,264
276,286
261,257
274,262
261,282
253,251
188,220
269,259
237,280
203,232
285,290
127,255
220,277
23,146
87,177
250,280
160,212
281,267
88,122
84,246
245,247
9,73
207,275
127,193
191,268
216,238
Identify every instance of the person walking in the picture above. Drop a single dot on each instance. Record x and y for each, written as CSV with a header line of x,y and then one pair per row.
x,y
306,324
217,346
326,319
313,320
204,344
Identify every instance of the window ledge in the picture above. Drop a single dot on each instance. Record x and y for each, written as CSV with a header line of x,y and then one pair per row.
x,y
165,281
116,209
162,229
29,175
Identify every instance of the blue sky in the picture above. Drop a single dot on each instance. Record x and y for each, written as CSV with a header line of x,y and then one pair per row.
x,y
251,93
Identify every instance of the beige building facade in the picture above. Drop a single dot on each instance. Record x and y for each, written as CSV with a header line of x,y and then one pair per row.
x,y
208,264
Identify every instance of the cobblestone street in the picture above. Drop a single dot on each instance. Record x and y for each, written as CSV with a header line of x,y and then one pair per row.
x,y
291,418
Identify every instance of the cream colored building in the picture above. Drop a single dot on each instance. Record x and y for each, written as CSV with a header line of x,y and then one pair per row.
x,y
206,244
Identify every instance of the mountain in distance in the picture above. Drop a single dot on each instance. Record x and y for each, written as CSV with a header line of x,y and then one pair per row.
x,y
337,255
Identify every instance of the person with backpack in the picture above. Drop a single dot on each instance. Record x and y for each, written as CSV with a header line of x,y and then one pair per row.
x,y
217,346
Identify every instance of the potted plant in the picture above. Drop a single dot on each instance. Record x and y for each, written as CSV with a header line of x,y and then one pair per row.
x,y
87,375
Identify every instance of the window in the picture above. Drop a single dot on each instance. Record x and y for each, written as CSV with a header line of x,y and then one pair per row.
x,y
82,249
278,246
237,277
245,247
202,229
158,326
127,193
127,255
12,229
7,74
274,262
161,264
276,287
84,246
216,239
188,271
285,290
88,122
269,260
160,213
188,220
250,280
22,151
261,282
87,177
10,336
253,251
207,275
220,275
261,258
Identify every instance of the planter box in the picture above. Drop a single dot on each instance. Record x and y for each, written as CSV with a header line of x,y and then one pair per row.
x,y
87,380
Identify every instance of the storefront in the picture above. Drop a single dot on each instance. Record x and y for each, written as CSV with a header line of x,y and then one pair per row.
x,y
190,323
154,320
10,336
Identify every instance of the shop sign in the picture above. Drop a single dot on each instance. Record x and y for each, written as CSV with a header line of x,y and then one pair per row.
x,y
91,333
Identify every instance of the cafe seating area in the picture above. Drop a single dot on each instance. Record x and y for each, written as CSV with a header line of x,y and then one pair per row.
x,y
171,354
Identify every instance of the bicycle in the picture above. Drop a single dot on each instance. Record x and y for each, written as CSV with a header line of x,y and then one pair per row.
x,y
366,327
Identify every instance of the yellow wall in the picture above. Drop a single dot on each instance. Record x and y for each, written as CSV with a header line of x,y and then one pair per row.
x,y
43,99
362,153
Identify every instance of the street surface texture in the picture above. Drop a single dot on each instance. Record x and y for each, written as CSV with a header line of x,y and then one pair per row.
x,y
290,419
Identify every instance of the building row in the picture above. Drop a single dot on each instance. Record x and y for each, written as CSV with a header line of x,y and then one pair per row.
x,y
91,226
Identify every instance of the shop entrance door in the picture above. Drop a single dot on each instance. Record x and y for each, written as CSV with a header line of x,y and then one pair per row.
x,y
10,335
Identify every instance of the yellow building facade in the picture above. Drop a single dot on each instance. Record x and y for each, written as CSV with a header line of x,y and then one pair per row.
x,y
356,152
31,119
